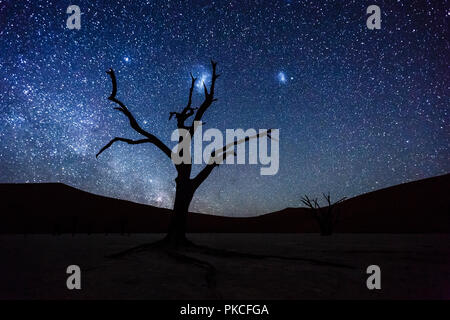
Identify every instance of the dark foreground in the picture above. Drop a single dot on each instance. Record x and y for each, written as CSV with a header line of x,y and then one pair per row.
x,y
300,266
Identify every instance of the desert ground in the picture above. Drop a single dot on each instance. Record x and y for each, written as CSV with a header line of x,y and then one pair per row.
x,y
285,266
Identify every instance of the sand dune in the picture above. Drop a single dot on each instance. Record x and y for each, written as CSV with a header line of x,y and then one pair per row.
x,y
417,207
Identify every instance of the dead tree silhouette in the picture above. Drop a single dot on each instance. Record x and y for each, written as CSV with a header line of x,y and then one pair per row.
x,y
185,185
326,217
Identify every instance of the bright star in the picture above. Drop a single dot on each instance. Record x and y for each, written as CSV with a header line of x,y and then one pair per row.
x,y
126,59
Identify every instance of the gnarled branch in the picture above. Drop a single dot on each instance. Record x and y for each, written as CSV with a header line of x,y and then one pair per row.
x,y
209,96
311,203
129,141
223,153
206,171
191,91
187,111
133,123
247,138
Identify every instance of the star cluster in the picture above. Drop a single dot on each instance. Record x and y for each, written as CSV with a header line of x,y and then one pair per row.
x,y
357,109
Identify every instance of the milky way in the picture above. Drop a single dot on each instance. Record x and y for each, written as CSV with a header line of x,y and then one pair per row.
x,y
357,109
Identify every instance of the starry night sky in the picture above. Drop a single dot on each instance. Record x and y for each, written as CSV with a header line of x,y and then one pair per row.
x,y
357,109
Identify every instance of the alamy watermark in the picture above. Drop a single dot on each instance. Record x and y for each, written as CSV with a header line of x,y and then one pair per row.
x,y
372,22
219,151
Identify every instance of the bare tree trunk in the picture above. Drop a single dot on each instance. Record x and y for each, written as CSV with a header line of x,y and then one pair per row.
x,y
183,197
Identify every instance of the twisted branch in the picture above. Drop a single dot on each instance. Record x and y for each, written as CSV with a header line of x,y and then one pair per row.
x,y
129,141
187,111
133,123
222,153
209,96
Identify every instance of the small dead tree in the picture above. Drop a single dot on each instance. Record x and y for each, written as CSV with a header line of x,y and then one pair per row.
x,y
326,217
185,184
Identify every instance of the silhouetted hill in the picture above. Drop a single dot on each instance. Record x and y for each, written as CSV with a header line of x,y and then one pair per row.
x,y
56,207
419,206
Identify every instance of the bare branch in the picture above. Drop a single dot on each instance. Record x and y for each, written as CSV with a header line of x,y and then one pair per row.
x,y
223,152
307,202
247,138
187,111
209,96
206,171
191,90
129,141
311,203
327,198
316,203
122,108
